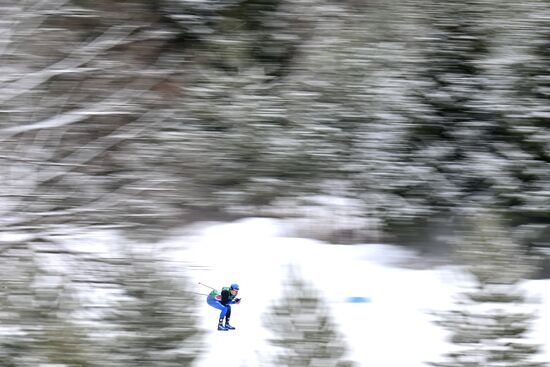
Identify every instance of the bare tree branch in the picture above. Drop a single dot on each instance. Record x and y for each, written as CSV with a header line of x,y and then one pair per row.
x,y
92,150
16,14
110,38
115,104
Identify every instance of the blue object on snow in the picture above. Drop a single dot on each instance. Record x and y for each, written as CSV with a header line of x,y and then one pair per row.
x,y
357,299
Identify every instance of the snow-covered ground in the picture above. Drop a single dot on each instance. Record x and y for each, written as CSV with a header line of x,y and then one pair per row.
x,y
392,328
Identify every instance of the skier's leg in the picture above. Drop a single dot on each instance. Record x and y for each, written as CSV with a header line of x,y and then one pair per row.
x,y
226,310
223,310
227,317
220,325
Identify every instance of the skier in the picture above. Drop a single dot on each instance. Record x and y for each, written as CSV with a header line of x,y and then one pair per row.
x,y
223,301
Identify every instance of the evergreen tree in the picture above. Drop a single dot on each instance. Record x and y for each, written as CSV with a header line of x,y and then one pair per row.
x,y
37,304
491,324
93,311
449,133
155,323
303,328
523,82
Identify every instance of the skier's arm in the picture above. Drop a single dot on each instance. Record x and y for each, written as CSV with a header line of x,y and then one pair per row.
x,y
225,297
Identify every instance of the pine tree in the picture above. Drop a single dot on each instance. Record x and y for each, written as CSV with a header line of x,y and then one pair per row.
x,y
490,325
304,329
36,308
524,83
154,323
59,315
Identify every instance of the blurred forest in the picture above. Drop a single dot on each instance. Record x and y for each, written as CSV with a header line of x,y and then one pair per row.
x,y
149,114
376,119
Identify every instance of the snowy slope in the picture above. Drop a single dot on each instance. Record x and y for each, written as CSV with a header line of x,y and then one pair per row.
x,y
393,328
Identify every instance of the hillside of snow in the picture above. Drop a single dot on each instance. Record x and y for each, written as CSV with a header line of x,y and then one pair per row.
x,y
392,325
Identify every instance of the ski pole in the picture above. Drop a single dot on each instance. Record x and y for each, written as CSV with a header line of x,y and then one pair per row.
x,y
207,286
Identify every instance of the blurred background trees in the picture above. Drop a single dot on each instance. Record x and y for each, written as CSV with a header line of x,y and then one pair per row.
x,y
149,114
493,318
144,115
73,305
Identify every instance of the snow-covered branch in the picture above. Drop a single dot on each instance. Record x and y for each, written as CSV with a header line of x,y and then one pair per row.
x,y
149,120
112,37
115,104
